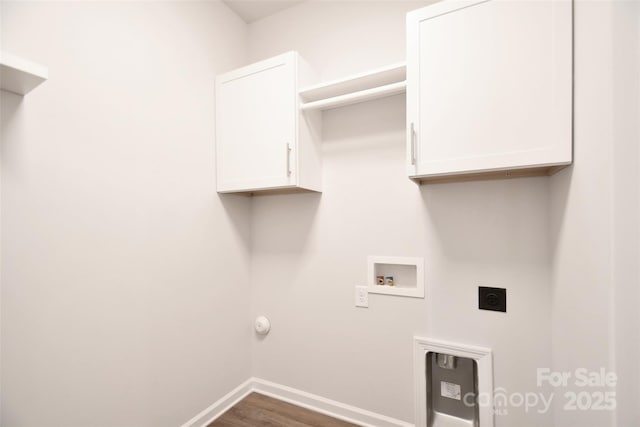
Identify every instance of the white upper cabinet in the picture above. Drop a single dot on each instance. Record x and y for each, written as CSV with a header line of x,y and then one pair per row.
x,y
263,142
489,89
20,76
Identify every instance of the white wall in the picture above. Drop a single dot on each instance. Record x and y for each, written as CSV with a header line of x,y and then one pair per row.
x,y
309,251
581,219
125,279
594,215
626,196
626,206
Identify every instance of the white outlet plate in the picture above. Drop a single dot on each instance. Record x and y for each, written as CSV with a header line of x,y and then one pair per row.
x,y
362,296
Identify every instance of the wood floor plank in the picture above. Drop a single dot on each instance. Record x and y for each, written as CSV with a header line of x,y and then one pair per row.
x,y
257,410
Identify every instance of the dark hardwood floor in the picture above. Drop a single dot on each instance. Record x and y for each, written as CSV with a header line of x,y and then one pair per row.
x,y
258,410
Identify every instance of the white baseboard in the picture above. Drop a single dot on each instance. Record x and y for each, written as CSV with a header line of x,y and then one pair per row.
x,y
316,403
223,404
344,412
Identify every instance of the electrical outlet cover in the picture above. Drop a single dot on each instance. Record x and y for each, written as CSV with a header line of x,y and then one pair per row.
x,y
494,299
362,296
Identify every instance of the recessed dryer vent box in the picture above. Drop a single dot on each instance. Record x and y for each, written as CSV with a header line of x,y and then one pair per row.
x,y
453,384
405,273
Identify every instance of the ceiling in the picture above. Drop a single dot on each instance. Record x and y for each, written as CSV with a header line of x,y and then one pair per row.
x,y
252,10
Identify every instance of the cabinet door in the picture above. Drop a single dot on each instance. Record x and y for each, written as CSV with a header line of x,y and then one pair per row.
x,y
256,110
489,86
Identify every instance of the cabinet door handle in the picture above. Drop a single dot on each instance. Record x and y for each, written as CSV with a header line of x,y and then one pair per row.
x,y
413,144
288,159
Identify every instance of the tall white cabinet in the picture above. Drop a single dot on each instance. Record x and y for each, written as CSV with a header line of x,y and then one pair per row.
x,y
263,141
489,89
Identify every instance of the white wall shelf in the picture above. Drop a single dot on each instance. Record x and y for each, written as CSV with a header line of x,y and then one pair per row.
x,y
407,273
20,76
361,87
